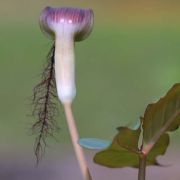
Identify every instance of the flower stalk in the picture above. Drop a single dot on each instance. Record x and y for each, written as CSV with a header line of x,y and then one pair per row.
x,y
75,137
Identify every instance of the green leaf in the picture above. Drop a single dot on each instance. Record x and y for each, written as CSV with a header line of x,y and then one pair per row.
x,y
123,151
117,158
161,117
94,143
159,149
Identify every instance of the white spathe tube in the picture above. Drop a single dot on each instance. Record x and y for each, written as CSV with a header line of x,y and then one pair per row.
x,y
65,68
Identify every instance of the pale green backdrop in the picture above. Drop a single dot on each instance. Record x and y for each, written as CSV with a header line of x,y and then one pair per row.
x,y
131,59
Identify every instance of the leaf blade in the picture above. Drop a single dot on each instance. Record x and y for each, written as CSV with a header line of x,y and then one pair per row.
x,y
161,117
116,158
159,149
123,151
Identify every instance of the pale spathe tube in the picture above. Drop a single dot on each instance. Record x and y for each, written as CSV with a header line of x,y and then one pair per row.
x,y
65,69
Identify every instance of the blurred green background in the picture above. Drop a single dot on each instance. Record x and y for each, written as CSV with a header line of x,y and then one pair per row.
x,y
131,59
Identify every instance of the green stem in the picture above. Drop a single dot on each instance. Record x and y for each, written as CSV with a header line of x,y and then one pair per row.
x,y
142,168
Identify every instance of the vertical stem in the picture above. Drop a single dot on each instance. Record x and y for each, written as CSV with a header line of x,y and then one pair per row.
x,y
142,167
75,137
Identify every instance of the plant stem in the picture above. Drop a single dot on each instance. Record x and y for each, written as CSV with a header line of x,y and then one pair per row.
x,y
142,167
75,137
